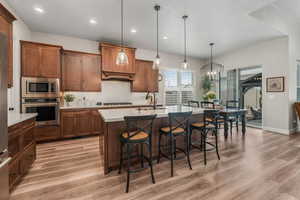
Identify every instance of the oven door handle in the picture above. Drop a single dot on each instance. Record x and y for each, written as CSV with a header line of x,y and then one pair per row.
x,y
40,104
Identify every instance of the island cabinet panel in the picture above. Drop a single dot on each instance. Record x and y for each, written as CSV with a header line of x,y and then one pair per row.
x,y
110,70
40,60
6,28
22,150
146,78
80,122
81,71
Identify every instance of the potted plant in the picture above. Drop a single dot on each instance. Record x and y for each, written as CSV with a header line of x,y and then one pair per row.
x,y
69,98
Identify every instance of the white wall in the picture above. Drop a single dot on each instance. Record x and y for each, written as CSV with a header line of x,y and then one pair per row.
x,y
273,56
20,32
117,91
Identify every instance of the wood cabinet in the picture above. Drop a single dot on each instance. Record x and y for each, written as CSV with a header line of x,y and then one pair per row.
x,y
6,28
146,79
22,150
110,70
40,60
81,72
80,122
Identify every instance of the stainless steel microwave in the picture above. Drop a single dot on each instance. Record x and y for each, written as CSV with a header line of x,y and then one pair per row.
x,y
40,87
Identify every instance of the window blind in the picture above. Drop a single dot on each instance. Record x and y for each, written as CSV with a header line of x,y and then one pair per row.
x,y
186,96
186,78
172,98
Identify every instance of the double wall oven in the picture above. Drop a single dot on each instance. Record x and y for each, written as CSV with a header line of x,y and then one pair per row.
x,y
41,96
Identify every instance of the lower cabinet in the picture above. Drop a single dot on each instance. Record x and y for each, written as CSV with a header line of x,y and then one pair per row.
x,y
47,133
80,122
22,150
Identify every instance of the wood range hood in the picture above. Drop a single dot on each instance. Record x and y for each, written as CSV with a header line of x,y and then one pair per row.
x,y
112,71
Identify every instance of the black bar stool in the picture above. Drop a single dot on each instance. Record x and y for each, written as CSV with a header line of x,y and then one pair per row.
x,y
205,128
178,126
138,132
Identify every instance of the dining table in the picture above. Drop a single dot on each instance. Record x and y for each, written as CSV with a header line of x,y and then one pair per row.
x,y
239,114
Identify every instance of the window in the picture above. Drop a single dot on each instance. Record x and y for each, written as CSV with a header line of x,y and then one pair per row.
x,y
186,79
178,86
171,78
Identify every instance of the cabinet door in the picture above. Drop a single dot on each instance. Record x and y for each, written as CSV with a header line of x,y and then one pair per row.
x,y
97,122
50,62
91,77
69,124
85,123
140,82
152,79
30,60
46,133
108,58
72,72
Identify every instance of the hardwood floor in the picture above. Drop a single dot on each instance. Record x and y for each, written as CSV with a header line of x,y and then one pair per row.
x,y
262,166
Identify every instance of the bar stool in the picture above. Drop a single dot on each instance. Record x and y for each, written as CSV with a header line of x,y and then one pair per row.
x,y
204,128
138,132
178,126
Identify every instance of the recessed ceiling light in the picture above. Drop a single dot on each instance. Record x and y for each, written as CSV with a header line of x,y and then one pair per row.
x,y
165,37
133,30
39,9
93,21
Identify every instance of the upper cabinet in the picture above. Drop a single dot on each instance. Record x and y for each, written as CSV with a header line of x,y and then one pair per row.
x,y
110,70
40,60
6,28
81,71
146,79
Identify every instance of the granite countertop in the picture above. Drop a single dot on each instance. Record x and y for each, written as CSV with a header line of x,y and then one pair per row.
x,y
15,118
115,115
103,106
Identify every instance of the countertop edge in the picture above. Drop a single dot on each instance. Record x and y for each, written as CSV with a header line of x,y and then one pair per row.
x,y
16,118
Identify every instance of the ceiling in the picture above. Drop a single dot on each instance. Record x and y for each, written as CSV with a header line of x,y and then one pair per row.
x,y
225,22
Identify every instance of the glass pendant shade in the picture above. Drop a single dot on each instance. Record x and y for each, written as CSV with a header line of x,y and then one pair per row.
x,y
184,65
156,62
122,58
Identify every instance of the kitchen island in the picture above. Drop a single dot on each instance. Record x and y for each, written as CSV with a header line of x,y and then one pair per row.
x,y
114,125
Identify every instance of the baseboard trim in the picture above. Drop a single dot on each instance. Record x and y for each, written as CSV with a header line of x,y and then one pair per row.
x,y
278,130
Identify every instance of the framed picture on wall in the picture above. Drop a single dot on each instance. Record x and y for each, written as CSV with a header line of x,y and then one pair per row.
x,y
275,84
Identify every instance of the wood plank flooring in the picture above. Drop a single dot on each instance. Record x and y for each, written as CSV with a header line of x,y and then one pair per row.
x,y
262,166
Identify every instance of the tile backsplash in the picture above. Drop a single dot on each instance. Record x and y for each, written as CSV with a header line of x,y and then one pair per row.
x,y
112,91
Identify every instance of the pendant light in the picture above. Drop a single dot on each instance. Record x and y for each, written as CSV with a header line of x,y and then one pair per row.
x,y
185,63
157,58
211,74
122,58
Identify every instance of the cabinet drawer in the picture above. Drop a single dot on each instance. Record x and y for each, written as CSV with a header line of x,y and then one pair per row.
x,y
28,137
27,159
14,146
14,173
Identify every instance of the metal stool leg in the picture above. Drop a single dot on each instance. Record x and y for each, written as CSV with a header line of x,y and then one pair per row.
x,y
159,150
187,147
150,162
142,155
121,158
128,166
172,154
204,147
217,146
